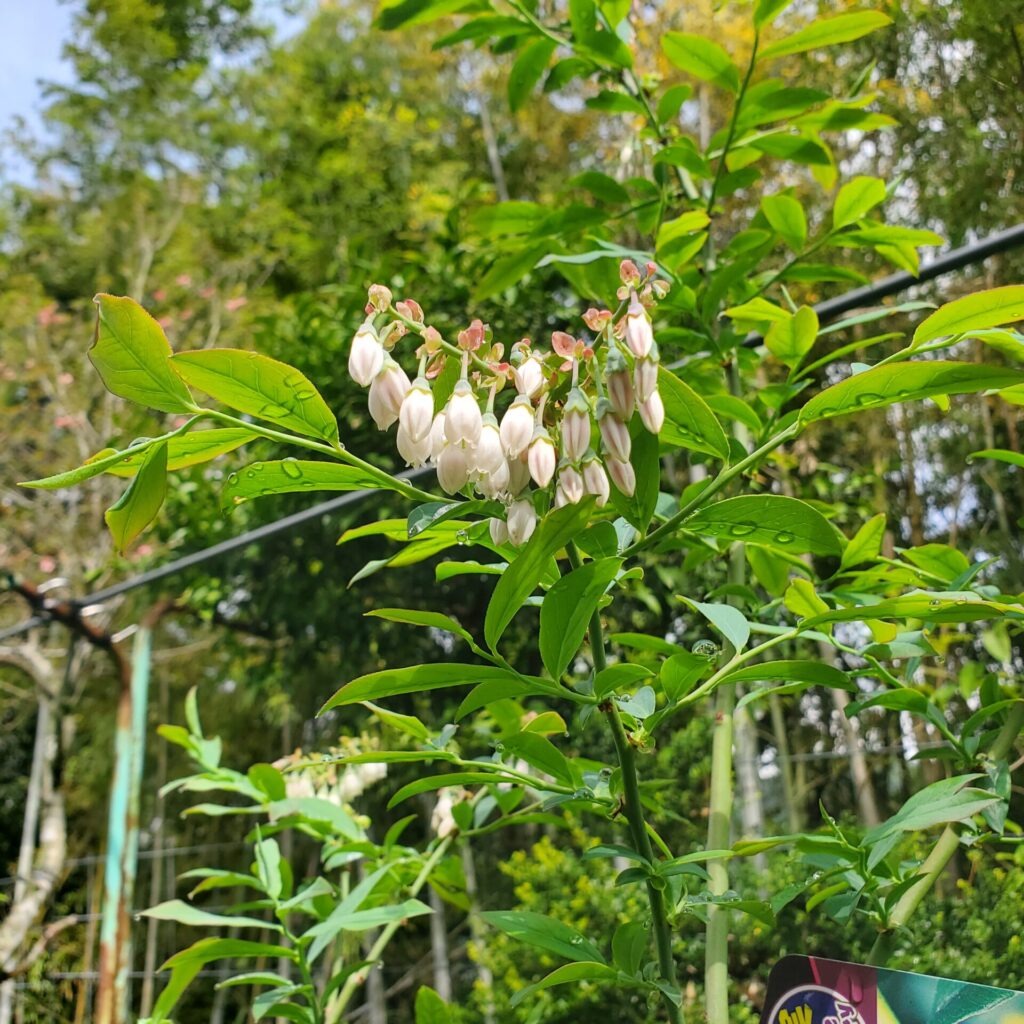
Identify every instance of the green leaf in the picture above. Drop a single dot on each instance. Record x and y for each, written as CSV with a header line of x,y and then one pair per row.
x,y
259,386
397,13
689,422
759,311
564,975
183,913
855,199
616,676
431,783
101,462
790,340
680,674
940,803
132,356
772,520
817,673
566,611
259,479
1000,455
843,28
544,933
520,579
991,308
672,101
729,621
787,217
905,382
416,617
629,946
268,865
701,58
374,917
190,449
417,679
317,809
803,601
542,754
431,1008
866,543
139,504
527,69
768,10
509,270
685,224
929,606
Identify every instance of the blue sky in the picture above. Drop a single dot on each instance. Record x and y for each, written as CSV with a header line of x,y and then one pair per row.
x,y
30,43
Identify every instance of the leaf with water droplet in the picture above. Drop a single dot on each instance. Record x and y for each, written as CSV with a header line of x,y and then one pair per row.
x,y
772,520
263,478
260,386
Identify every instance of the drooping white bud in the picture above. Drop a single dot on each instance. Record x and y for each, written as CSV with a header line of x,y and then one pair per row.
x,y
415,453
645,378
518,474
498,531
522,521
639,335
529,376
614,432
652,412
417,413
489,454
517,426
494,484
570,483
387,392
575,426
595,480
453,468
462,420
437,438
366,357
541,458
623,476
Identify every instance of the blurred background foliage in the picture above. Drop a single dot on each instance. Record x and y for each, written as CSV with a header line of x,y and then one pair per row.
x,y
245,170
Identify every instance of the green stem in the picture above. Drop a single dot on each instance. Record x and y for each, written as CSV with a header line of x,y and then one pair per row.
x,y
341,454
633,806
454,350
733,124
377,949
941,853
725,477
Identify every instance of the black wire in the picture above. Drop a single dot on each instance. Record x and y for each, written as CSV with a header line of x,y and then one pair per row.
x,y
827,310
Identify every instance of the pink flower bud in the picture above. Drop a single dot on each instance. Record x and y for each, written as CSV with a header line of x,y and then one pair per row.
x,y
652,412
416,416
437,438
595,480
639,336
614,432
645,379
415,453
494,485
498,531
411,309
570,483
620,394
463,421
518,474
541,458
380,297
597,319
629,273
522,521
489,455
453,468
623,476
366,357
575,426
529,376
387,392
517,426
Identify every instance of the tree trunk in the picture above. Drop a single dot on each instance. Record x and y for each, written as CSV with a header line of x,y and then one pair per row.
x,y
794,814
483,970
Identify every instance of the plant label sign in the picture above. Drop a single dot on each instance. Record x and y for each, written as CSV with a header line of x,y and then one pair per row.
x,y
808,990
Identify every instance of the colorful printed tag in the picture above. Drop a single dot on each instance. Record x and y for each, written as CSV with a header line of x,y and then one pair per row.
x,y
808,990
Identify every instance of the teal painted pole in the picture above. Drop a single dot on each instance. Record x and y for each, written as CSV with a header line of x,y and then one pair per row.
x,y
112,998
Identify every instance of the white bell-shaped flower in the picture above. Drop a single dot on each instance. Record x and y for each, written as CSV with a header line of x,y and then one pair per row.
x,y
498,530
529,376
541,458
623,475
639,335
575,426
614,432
522,521
437,436
366,356
415,453
462,419
517,427
595,480
645,378
453,468
652,412
570,483
489,454
387,392
417,413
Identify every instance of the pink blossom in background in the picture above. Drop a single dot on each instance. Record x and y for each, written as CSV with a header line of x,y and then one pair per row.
x,y
66,379
159,295
183,279
47,564
236,303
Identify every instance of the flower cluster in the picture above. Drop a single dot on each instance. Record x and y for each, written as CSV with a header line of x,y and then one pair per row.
x,y
563,435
